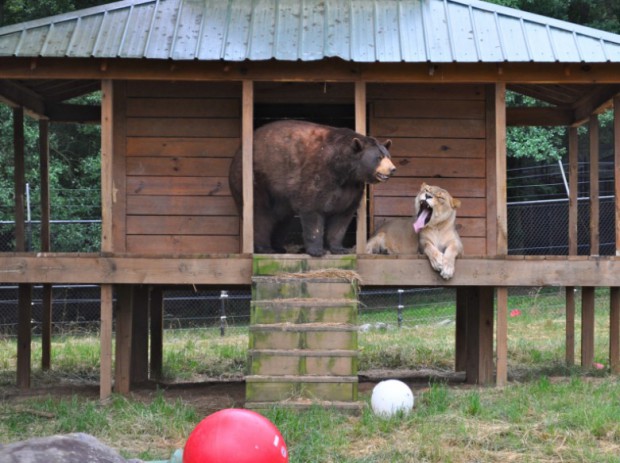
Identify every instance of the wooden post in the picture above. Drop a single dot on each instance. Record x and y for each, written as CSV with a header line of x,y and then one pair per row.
x,y
462,295
594,186
24,304
46,301
157,331
124,321
480,335
614,295
107,202
105,367
573,238
588,293
501,349
247,141
587,327
140,334
501,201
614,330
360,127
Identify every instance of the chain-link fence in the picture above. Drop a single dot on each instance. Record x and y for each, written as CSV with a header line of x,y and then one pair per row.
x,y
76,308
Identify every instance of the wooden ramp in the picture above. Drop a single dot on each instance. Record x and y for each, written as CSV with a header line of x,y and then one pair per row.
x,y
303,332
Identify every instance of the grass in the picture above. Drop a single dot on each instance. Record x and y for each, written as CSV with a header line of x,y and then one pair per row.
x,y
547,413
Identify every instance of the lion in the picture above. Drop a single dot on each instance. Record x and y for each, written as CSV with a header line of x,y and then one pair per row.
x,y
432,232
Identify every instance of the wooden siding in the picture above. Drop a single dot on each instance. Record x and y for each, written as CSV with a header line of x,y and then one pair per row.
x,y
439,137
179,143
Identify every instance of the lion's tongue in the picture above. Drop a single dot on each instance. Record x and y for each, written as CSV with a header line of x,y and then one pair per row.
x,y
421,220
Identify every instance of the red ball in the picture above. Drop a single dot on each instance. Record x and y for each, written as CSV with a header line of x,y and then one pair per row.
x,y
235,435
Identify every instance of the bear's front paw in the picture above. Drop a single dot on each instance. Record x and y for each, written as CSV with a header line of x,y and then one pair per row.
x,y
316,251
339,250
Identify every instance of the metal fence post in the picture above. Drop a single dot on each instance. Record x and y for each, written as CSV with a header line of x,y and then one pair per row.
x,y
400,307
223,303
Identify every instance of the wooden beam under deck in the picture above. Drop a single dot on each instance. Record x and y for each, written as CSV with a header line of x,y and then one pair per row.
x,y
236,269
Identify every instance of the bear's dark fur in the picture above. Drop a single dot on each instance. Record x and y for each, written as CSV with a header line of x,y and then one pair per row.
x,y
312,170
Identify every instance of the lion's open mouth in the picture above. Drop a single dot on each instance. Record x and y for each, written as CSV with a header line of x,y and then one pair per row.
x,y
424,216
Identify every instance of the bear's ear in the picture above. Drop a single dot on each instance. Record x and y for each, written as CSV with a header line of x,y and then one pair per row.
x,y
456,203
387,144
357,145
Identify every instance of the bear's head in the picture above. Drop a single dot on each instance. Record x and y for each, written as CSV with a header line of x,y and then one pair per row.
x,y
375,163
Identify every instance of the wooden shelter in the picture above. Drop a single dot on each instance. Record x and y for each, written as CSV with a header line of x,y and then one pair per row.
x,y
184,83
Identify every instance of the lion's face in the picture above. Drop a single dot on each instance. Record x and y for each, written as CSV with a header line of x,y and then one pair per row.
x,y
433,206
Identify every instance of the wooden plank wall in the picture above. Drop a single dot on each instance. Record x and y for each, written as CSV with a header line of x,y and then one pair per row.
x,y
439,137
181,137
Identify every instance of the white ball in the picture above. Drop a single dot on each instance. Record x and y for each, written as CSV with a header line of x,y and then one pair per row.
x,y
390,397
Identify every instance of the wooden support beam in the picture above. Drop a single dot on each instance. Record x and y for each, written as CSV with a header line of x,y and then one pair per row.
x,y
617,169
573,239
17,95
107,158
24,303
501,348
124,330
105,359
360,127
140,335
594,186
587,327
542,117
460,361
614,330
247,174
570,326
317,71
480,335
46,300
157,331
77,113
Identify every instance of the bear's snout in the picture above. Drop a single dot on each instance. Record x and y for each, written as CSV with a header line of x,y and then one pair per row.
x,y
385,169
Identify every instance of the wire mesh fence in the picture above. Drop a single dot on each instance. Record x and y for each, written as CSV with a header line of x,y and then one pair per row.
x,y
76,308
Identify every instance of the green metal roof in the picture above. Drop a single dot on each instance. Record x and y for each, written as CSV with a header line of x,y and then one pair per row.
x,y
290,30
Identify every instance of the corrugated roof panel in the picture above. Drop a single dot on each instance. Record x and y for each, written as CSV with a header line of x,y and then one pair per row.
x,y
262,32
539,45
84,36
111,33
31,42
137,33
462,33
211,46
58,38
8,43
590,48
238,31
439,48
411,32
288,29
162,31
513,40
189,22
338,34
358,30
487,36
312,34
363,31
564,45
612,52
387,36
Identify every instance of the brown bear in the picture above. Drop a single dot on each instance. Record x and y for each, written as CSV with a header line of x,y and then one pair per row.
x,y
315,171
